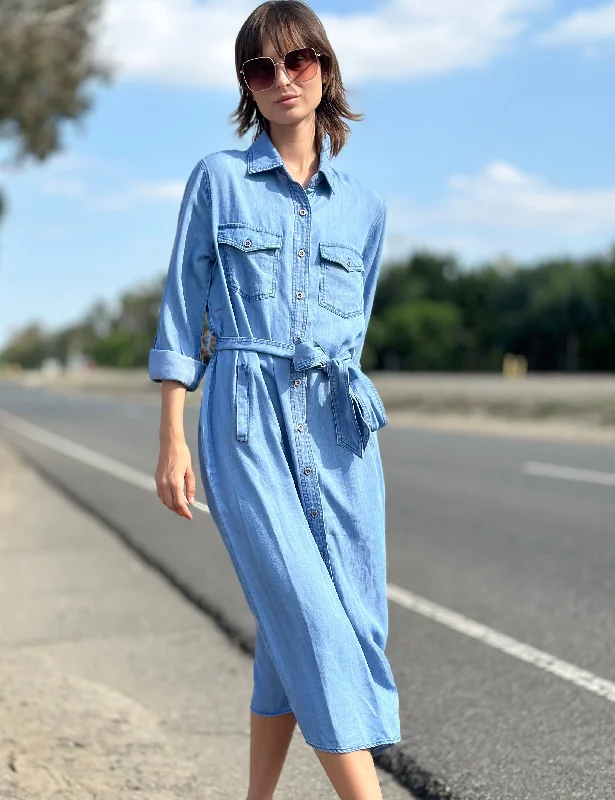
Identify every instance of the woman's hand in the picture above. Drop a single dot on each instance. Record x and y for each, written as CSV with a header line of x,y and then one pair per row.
x,y
173,471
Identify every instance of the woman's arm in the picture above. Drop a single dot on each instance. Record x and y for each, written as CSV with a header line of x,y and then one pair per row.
x,y
372,258
175,359
172,412
176,354
174,470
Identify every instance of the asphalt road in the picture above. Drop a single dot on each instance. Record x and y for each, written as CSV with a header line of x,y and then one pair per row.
x,y
501,566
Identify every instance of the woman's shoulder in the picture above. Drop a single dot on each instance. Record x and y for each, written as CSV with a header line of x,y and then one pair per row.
x,y
221,161
359,192
214,170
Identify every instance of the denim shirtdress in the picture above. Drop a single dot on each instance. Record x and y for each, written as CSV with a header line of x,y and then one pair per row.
x,y
288,450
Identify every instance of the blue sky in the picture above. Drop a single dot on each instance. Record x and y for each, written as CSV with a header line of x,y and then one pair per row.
x,y
489,129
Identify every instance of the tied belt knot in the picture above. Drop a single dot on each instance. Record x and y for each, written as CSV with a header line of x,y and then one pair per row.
x,y
357,407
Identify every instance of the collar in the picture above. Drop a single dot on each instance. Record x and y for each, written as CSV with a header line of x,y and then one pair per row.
x,y
262,155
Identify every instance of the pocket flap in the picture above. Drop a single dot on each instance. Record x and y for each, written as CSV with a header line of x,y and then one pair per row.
x,y
248,238
348,257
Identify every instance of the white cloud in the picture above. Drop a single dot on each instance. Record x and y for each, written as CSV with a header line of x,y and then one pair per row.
x,y
100,184
64,187
64,174
192,43
583,27
139,193
503,209
502,196
64,162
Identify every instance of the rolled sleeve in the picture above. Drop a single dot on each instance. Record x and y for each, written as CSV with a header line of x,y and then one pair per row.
x,y
176,353
172,366
372,260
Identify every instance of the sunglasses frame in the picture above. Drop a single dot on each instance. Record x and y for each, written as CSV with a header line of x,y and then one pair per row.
x,y
275,64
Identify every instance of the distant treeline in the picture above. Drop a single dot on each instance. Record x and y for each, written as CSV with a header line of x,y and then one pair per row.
x,y
428,314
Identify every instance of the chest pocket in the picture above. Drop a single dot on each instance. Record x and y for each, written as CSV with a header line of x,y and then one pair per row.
x,y
250,257
341,279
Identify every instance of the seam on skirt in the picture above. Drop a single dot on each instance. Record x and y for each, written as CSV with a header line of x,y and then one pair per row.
x,y
358,747
276,714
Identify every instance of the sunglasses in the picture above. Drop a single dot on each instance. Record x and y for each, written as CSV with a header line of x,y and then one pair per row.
x,y
301,65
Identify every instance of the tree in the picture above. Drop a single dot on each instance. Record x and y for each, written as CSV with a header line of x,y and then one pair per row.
x,y
424,335
46,66
545,313
29,347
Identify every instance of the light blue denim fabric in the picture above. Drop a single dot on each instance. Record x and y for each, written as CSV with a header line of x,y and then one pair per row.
x,y
288,450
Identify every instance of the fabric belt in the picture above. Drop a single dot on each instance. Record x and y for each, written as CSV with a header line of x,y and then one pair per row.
x,y
357,407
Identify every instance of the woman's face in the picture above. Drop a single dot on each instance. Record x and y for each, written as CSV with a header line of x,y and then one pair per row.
x,y
308,93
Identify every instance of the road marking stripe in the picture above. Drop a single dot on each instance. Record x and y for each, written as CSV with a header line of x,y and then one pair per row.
x,y
84,454
419,605
569,473
500,641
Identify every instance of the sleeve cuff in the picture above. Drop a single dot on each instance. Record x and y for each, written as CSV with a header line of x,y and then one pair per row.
x,y
171,366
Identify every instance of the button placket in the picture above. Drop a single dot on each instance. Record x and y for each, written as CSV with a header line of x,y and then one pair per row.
x,y
308,478
309,484
301,244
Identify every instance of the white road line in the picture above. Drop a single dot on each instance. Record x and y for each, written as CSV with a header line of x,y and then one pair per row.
x,y
419,605
83,454
500,641
569,473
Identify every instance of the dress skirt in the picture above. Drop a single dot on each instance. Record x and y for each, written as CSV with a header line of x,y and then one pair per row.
x,y
303,520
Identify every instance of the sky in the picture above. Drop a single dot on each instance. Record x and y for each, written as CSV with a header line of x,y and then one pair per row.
x,y
488,129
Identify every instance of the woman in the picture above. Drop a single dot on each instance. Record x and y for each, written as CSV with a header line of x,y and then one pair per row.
x,y
282,251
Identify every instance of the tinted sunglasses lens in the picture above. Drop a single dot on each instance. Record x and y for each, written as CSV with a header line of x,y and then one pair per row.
x,y
259,74
301,64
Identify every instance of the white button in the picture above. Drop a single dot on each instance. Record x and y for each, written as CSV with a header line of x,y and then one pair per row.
x,y
300,426
300,295
247,243
303,212
314,513
297,382
301,253
307,470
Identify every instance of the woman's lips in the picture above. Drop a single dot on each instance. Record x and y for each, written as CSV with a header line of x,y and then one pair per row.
x,y
288,102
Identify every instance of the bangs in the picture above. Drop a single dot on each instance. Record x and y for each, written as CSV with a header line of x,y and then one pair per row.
x,y
285,31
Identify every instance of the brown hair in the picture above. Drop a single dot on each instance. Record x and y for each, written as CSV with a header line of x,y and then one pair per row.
x,y
292,24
